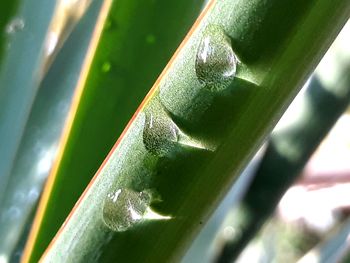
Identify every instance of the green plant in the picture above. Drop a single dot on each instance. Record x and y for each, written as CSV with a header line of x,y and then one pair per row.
x,y
289,148
208,112
110,96
158,145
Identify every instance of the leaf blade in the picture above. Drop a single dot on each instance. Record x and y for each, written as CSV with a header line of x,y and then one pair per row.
x,y
236,138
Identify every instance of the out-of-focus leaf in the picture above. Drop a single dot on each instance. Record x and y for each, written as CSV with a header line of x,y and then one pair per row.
x,y
39,144
20,76
134,47
333,248
66,16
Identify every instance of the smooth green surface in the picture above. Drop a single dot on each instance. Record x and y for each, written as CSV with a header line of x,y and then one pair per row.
x,y
38,146
188,182
201,249
19,77
138,39
302,129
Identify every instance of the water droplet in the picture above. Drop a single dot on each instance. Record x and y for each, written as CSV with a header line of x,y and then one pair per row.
x,y
106,67
125,208
14,25
150,39
162,137
160,134
215,60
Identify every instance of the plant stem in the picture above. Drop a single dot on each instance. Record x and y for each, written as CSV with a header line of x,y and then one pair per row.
x,y
195,131
132,48
312,116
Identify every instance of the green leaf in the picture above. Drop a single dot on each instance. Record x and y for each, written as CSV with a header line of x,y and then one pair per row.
x,y
133,48
196,130
201,249
19,76
38,146
307,122
34,37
